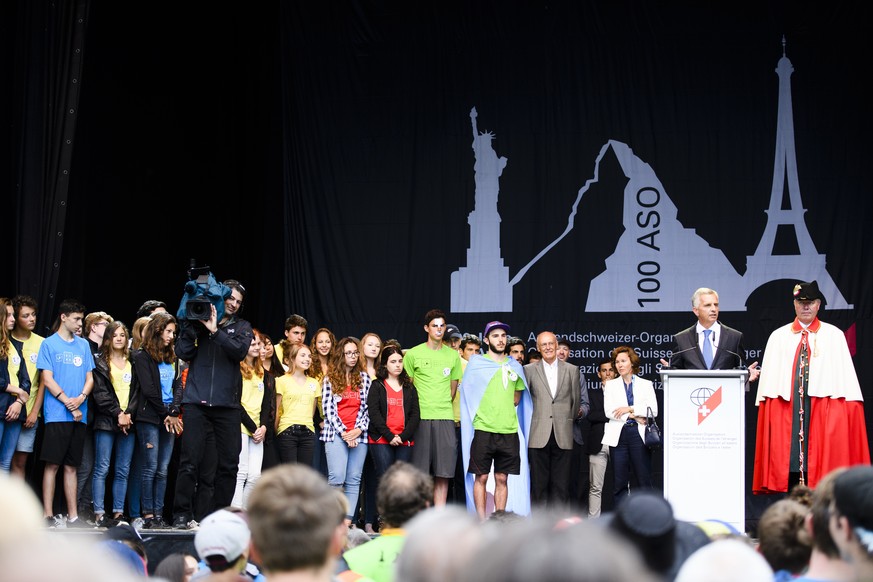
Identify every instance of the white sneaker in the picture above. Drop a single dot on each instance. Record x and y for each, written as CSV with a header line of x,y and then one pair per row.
x,y
137,523
56,521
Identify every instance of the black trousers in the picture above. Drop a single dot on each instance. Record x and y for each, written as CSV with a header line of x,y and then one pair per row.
x,y
550,474
225,425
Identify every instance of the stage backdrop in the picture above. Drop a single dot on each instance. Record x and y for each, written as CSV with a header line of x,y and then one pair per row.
x,y
579,167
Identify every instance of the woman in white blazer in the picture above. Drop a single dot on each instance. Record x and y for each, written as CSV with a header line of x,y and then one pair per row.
x,y
625,400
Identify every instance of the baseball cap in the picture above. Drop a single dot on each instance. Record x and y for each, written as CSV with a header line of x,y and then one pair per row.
x,y
222,538
495,325
452,331
853,496
807,291
125,532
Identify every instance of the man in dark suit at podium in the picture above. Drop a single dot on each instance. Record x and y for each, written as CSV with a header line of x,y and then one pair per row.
x,y
709,344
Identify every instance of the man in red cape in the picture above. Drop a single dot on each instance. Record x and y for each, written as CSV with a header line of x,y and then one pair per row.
x,y
810,407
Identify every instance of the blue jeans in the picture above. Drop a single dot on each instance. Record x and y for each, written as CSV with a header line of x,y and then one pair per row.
x,y
344,467
154,459
630,453
104,442
385,455
319,458
134,484
9,432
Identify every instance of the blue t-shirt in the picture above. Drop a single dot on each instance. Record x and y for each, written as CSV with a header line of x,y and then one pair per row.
x,y
69,363
167,373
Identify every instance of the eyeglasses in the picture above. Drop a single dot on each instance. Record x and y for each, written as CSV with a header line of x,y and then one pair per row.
x,y
351,354
96,323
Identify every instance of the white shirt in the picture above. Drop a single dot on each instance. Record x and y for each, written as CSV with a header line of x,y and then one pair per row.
x,y
713,337
551,371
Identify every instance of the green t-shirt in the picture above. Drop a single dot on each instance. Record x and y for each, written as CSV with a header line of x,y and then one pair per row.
x,y
496,413
376,559
432,371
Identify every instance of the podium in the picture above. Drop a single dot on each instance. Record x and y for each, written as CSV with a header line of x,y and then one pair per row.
x,y
704,444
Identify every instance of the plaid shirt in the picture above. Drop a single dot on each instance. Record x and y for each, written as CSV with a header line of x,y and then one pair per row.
x,y
332,423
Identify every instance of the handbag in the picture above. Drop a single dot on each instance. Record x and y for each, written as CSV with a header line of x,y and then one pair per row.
x,y
653,433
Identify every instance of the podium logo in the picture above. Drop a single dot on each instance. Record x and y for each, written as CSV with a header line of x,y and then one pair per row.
x,y
706,402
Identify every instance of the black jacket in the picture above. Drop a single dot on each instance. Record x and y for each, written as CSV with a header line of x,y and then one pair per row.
x,y
377,405
268,409
597,421
151,408
214,377
105,401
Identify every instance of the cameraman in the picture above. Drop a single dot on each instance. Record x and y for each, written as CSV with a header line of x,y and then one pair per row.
x,y
211,401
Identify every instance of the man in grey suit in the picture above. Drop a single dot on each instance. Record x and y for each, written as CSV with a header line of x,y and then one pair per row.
x,y
709,344
555,391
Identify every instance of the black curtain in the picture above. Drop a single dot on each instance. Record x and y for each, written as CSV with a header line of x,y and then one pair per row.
x,y
49,51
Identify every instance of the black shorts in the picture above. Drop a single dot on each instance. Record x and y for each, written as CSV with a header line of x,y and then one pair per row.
x,y
502,449
63,443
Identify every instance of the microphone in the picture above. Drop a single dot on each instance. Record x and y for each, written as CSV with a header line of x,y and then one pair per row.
x,y
740,365
670,361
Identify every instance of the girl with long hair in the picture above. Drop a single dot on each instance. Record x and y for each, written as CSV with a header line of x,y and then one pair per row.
x,y
296,395
269,358
116,397
321,345
274,369
344,404
257,401
13,397
371,346
158,423
394,415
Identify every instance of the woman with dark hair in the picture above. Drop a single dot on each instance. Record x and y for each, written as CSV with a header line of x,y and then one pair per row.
x,y
176,567
625,401
269,358
257,414
371,347
274,369
394,414
116,397
158,373
344,403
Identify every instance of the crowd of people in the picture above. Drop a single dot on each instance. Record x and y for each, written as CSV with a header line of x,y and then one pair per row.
x,y
493,427
294,529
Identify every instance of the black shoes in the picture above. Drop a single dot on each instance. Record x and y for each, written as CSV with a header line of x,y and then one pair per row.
x,y
182,522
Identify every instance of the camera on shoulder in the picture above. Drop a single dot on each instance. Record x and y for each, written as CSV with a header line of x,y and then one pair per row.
x,y
201,292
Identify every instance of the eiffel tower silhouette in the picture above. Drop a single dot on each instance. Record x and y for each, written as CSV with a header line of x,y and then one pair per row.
x,y
808,264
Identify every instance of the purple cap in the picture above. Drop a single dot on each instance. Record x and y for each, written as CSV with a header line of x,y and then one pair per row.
x,y
495,325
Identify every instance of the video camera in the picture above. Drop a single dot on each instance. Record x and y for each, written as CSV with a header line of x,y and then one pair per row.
x,y
201,291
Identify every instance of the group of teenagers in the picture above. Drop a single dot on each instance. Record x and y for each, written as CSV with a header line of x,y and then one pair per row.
x,y
113,404
112,399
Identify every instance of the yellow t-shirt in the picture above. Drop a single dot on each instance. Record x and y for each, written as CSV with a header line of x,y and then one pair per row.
x,y
121,382
251,399
297,401
30,347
